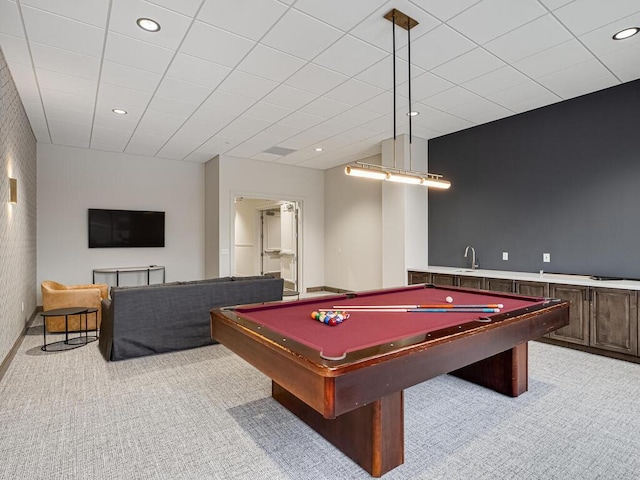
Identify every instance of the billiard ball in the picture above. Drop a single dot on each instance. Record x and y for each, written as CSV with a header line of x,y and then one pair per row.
x,y
449,299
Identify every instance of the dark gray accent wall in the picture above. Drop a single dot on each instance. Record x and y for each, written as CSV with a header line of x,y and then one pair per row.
x,y
563,179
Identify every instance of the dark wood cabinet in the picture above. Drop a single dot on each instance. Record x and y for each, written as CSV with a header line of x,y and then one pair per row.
x,y
532,289
443,279
471,282
614,320
578,329
419,277
499,284
600,319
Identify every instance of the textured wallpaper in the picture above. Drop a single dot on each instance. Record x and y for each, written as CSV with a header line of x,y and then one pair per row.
x,y
17,222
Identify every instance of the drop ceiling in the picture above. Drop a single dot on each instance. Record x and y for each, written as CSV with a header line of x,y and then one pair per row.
x,y
240,77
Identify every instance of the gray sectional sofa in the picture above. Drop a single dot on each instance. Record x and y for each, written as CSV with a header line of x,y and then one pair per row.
x,y
152,319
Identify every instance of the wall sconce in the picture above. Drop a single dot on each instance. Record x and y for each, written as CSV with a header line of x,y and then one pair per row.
x,y
13,188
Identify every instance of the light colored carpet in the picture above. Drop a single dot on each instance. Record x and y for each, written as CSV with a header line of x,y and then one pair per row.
x,y
206,414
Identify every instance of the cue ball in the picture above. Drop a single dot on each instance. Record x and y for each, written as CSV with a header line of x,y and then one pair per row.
x,y
449,300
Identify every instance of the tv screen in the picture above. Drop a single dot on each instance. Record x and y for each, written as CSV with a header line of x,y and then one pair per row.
x,y
125,228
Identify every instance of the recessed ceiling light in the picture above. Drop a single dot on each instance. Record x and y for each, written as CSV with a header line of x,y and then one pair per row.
x,y
119,111
148,24
318,149
626,33
413,113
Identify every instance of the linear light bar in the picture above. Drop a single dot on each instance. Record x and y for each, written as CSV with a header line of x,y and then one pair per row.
x,y
405,178
365,173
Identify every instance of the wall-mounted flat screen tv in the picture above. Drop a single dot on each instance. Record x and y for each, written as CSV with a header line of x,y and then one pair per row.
x,y
125,228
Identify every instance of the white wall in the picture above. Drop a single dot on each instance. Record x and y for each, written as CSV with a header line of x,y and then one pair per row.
x,y
267,180
353,229
72,180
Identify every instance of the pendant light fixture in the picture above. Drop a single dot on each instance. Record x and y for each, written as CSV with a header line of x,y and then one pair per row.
x,y
395,174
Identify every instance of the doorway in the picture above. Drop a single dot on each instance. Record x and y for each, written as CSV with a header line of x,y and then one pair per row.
x,y
267,239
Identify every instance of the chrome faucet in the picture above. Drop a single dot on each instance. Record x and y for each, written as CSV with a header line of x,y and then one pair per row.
x,y
474,265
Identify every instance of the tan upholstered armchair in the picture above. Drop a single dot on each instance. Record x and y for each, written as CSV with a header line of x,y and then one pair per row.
x,y
55,295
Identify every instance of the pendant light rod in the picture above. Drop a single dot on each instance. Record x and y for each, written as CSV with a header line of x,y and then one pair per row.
x,y
394,174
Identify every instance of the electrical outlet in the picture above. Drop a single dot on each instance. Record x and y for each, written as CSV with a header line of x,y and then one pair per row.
x,y
505,255
546,257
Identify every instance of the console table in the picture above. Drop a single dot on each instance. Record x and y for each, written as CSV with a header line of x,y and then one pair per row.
x,y
118,270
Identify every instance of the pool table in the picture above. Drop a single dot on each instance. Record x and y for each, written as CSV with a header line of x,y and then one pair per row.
x,y
346,381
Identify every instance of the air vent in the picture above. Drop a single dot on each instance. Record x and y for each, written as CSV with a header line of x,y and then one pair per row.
x,y
279,151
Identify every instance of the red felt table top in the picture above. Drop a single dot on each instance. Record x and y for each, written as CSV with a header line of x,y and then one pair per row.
x,y
366,329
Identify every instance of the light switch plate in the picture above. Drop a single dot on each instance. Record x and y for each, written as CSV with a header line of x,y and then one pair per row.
x,y
546,257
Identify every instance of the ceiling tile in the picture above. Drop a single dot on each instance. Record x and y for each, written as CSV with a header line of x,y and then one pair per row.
x,y
624,62
129,77
426,85
70,133
269,63
553,59
491,18
243,128
228,102
67,83
196,70
600,41
183,91
240,83
55,114
514,96
289,97
158,123
316,79
170,105
444,10
173,26
249,18
143,144
216,45
438,46
302,140
583,16
592,74
93,12
536,36
268,111
61,32
67,101
480,111
64,61
449,99
105,117
205,122
10,22
554,4
341,14
186,7
300,35
492,82
136,53
119,96
15,49
301,120
350,56
353,92
469,65
325,107
381,73
112,139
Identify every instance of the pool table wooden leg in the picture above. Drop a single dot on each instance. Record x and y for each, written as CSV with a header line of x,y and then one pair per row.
x,y
372,435
505,372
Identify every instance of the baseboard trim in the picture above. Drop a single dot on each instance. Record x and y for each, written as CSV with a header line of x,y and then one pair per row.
x,y
4,366
593,350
